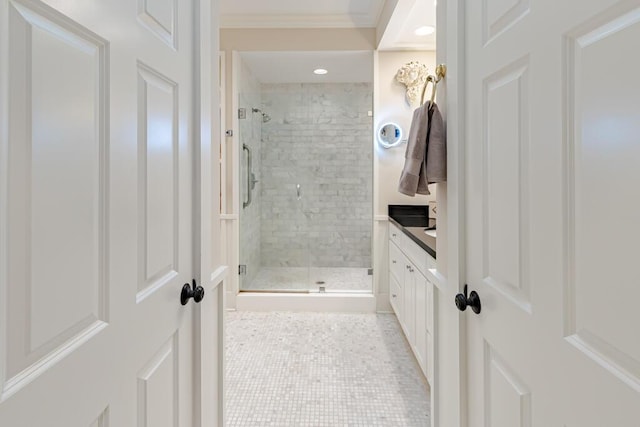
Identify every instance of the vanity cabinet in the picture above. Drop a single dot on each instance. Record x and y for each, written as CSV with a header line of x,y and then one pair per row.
x,y
411,295
397,266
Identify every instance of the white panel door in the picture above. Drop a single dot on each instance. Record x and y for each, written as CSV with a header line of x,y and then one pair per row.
x,y
552,200
96,220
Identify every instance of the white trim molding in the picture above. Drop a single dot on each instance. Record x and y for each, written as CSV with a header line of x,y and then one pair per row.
x,y
316,302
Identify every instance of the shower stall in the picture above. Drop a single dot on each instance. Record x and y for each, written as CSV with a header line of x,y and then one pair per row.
x,y
306,185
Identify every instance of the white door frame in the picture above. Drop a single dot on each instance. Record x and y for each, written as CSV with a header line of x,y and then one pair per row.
x,y
449,406
208,315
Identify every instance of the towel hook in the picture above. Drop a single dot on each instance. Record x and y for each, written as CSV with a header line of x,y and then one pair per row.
x,y
441,72
424,89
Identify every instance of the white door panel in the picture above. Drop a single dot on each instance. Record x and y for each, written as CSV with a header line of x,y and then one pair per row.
x,y
505,146
53,197
159,230
552,155
603,155
158,388
96,222
160,16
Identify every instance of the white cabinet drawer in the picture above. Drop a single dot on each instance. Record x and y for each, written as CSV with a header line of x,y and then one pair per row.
x,y
409,307
395,235
397,262
396,298
418,256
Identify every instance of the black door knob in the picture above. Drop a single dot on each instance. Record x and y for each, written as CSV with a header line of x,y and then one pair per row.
x,y
191,291
473,301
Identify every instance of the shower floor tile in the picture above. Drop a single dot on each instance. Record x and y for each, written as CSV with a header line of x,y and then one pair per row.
x,y
300,278
321,370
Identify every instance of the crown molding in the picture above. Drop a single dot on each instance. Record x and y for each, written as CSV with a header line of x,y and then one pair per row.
x,y
409,46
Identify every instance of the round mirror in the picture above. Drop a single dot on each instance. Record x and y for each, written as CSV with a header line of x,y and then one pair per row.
x,y
390,135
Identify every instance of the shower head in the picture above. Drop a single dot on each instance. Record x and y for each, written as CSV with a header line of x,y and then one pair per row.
x,y
265,116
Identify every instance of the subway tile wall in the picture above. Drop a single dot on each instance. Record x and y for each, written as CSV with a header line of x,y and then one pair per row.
x,y
320,138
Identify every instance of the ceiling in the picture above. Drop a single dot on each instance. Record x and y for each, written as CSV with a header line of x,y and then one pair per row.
x,y
396,20
297,67
407,16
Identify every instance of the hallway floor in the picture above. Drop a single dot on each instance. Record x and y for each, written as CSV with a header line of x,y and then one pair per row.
x,y
322,370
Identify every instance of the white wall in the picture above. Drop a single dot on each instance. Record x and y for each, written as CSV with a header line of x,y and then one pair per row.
x,y
390,105
297,39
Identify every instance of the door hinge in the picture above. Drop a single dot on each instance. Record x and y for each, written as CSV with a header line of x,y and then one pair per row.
x,y
242,113
242,269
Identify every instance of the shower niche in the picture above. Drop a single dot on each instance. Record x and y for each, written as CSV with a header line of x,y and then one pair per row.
x,y
305,171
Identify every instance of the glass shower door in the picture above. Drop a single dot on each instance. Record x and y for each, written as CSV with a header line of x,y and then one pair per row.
x,y
308,225
300,250
274,224
285,224
250,197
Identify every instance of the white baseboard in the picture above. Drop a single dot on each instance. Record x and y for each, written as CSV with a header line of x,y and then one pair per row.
x,y
383,304
333,303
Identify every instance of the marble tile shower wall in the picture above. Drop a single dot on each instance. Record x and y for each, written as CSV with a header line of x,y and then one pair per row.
x,y
320,138
250,134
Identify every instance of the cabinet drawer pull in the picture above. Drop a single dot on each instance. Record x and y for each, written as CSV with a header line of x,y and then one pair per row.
x,y
393,261
394,235
393,295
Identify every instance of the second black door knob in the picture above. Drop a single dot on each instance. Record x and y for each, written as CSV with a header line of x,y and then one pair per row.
x,y
473,300
191,291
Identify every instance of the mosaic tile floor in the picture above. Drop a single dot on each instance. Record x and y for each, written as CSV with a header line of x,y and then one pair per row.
x,y
299,278
322,370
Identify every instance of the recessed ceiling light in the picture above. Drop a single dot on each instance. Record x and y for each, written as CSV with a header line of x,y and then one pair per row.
x,y
320,71
424,30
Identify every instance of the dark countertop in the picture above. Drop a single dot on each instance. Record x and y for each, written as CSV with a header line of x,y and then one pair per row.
x,y
412,220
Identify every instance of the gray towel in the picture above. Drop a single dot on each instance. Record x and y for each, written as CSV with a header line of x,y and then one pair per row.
x,y
436,160
426,155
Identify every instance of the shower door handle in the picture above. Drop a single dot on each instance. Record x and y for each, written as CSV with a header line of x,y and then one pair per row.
x,y
253,181
298,191
250,176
